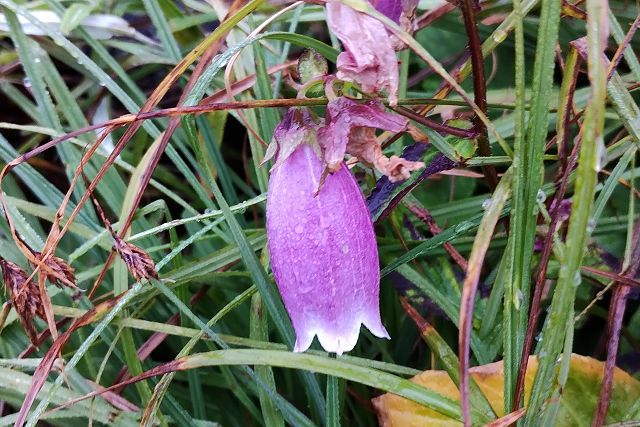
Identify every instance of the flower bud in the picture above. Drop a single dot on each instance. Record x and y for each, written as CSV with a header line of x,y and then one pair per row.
x,y
311,65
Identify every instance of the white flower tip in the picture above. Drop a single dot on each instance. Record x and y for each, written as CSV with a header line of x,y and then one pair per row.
x,y
303,341
338,343
377,328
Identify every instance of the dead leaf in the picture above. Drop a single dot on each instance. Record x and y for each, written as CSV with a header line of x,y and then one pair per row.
x,y
363,145
577,404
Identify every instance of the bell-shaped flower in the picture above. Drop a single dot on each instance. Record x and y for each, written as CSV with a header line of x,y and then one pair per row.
x,y
350,128
322,244
369,58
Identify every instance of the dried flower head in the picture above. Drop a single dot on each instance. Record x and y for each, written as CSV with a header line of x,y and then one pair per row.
x,y
25,297
57,271
364,146
138,262
369,48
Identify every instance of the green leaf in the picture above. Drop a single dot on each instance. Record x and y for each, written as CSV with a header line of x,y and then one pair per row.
x,y
74,15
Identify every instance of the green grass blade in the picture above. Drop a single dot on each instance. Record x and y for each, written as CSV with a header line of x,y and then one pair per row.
x,y
328,366
259,331
528,173
562,305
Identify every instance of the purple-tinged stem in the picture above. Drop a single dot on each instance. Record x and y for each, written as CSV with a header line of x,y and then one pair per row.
x,y
614,325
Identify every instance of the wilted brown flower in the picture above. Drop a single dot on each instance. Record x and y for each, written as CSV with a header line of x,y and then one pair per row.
x,y
368,58
363,145
350,127
25,297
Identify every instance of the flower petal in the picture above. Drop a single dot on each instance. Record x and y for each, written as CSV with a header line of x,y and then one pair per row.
x,y
323,253
297,127
363,145
402,12
345,115
369,58
392,9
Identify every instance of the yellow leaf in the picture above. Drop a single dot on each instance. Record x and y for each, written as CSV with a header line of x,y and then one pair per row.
x,y
577,404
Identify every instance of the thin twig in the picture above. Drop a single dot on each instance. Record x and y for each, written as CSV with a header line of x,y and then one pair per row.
x,y
430,16
623,46
621,279
439,127
508,419
156,339
202,108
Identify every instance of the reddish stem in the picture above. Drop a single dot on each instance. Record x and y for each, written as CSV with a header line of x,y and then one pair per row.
x,y
469,9
614,325
438,127
534,314
423,214
625,42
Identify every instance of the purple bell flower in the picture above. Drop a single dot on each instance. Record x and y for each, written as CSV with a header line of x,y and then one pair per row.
x,y
323,248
